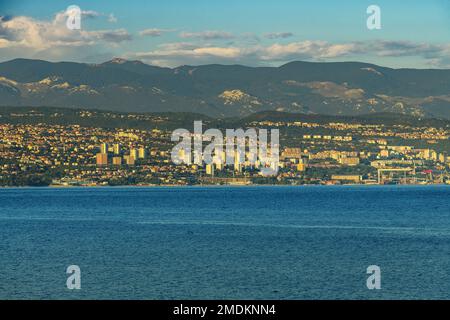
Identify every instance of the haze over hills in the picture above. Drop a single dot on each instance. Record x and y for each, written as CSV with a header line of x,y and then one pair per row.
x,y
340,88
174,120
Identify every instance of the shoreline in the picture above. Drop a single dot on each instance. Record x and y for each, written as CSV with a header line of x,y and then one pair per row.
x,y
224,186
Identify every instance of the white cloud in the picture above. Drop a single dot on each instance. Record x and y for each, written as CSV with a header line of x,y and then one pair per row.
x,y
306,50
208,35
174,54
90,14
278,35
113,36
173,46
32,37
154,32
23,36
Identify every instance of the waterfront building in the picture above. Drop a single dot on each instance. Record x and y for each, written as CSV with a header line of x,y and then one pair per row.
x,y
347,178
210,169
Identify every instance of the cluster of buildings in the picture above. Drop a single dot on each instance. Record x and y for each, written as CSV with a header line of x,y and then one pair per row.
x,y
115,155
311,153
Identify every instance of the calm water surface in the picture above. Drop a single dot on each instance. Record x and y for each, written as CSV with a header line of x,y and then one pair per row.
x,y
225,242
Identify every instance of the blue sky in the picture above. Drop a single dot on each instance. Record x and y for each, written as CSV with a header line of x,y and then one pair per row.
x,y
254,32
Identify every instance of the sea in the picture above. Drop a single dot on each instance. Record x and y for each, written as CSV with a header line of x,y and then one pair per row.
x,y
243,242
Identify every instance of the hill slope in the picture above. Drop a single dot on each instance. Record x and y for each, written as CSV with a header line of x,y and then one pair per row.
x,y
344,88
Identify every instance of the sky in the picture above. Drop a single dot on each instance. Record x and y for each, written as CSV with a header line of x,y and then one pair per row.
x,y
413,34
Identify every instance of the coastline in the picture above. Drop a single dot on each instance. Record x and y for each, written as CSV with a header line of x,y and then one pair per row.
x,y
225,186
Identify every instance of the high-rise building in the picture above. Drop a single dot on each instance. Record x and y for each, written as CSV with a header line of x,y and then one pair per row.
x,y
427,154
102,159
117,161
238,161
434,155
116,149
302,164
104,148
184,156
134,153
210,169
129,160
142,153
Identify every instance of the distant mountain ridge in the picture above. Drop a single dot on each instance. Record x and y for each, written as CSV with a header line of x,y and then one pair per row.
x,y
336,88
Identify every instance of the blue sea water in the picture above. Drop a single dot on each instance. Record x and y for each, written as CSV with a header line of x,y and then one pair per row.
x,y
225,242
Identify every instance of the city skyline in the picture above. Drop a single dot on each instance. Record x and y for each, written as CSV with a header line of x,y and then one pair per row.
x,y
46,148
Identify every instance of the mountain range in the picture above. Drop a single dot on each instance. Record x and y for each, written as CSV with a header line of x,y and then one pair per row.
x,y
334,88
